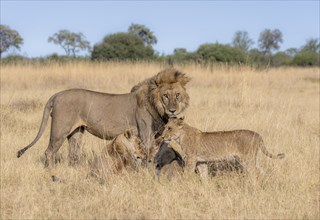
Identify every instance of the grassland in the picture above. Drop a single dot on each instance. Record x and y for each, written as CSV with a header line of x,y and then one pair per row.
x,y
281,104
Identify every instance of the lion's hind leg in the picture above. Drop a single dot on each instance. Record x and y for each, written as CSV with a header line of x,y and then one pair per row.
x,y
58,135
54,146
260,168
75,141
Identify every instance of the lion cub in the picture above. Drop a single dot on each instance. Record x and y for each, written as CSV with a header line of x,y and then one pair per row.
x,y
199,147
124,152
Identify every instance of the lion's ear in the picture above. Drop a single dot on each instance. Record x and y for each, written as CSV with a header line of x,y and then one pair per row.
x,y
184,80
155,83
152,85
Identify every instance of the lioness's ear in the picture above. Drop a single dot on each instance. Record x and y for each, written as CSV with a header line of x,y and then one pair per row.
x,y
181,121
128,133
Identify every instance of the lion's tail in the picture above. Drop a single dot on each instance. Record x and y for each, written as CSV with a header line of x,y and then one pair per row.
x,y
44,121
266,152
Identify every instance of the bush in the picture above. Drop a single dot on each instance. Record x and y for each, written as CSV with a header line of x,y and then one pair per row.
x,y
306,58
221,53
15,59
122,46
258,58
281,59
57,58
181,55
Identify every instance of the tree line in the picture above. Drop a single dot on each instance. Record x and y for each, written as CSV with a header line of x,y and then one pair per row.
x,y
138,41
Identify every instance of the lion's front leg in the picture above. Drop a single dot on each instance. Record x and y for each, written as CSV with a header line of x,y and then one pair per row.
x,y
148,141
145,128
202,169
191,164
198,165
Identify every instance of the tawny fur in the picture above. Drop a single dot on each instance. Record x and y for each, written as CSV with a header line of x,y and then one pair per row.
x,y
124,152
198,146
146,110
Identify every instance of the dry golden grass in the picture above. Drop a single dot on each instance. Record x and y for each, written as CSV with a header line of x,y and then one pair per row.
x,y
280,104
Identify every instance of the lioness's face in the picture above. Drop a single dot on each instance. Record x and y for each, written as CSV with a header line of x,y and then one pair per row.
x,y
174,99
134,147
172,130
138,151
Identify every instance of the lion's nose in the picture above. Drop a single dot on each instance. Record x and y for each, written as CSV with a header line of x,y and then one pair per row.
x,y
172,110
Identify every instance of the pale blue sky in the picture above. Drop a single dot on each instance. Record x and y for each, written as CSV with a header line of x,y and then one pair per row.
x,y
186,24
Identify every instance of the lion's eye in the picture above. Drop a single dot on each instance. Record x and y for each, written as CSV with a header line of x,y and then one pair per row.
x,y
177,95
165,96
169,129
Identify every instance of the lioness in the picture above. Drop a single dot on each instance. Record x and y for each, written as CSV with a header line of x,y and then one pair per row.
x,y
198,146
124,152
146,109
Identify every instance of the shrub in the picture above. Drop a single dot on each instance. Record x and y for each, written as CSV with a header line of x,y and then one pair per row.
x,y
257,57
15,59
221,53
306,58
281,59
122,46
181,55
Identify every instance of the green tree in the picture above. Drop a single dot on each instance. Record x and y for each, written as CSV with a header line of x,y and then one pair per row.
x,y
313,45
179,51
291,51
221,53
181,55
122,46
242,40
144,33
257,57
306,58
9,38
281,59
269,40
71,42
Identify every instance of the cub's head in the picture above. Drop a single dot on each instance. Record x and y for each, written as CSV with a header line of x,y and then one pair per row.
x,y
168,94
130,147
172,130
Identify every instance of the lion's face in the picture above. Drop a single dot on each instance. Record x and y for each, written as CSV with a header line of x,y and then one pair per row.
x,y
170,99
172,130
165,92
132,145
173,98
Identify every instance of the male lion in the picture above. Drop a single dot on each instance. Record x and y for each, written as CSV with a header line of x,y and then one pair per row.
x,y
146,109
199,147
124,152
